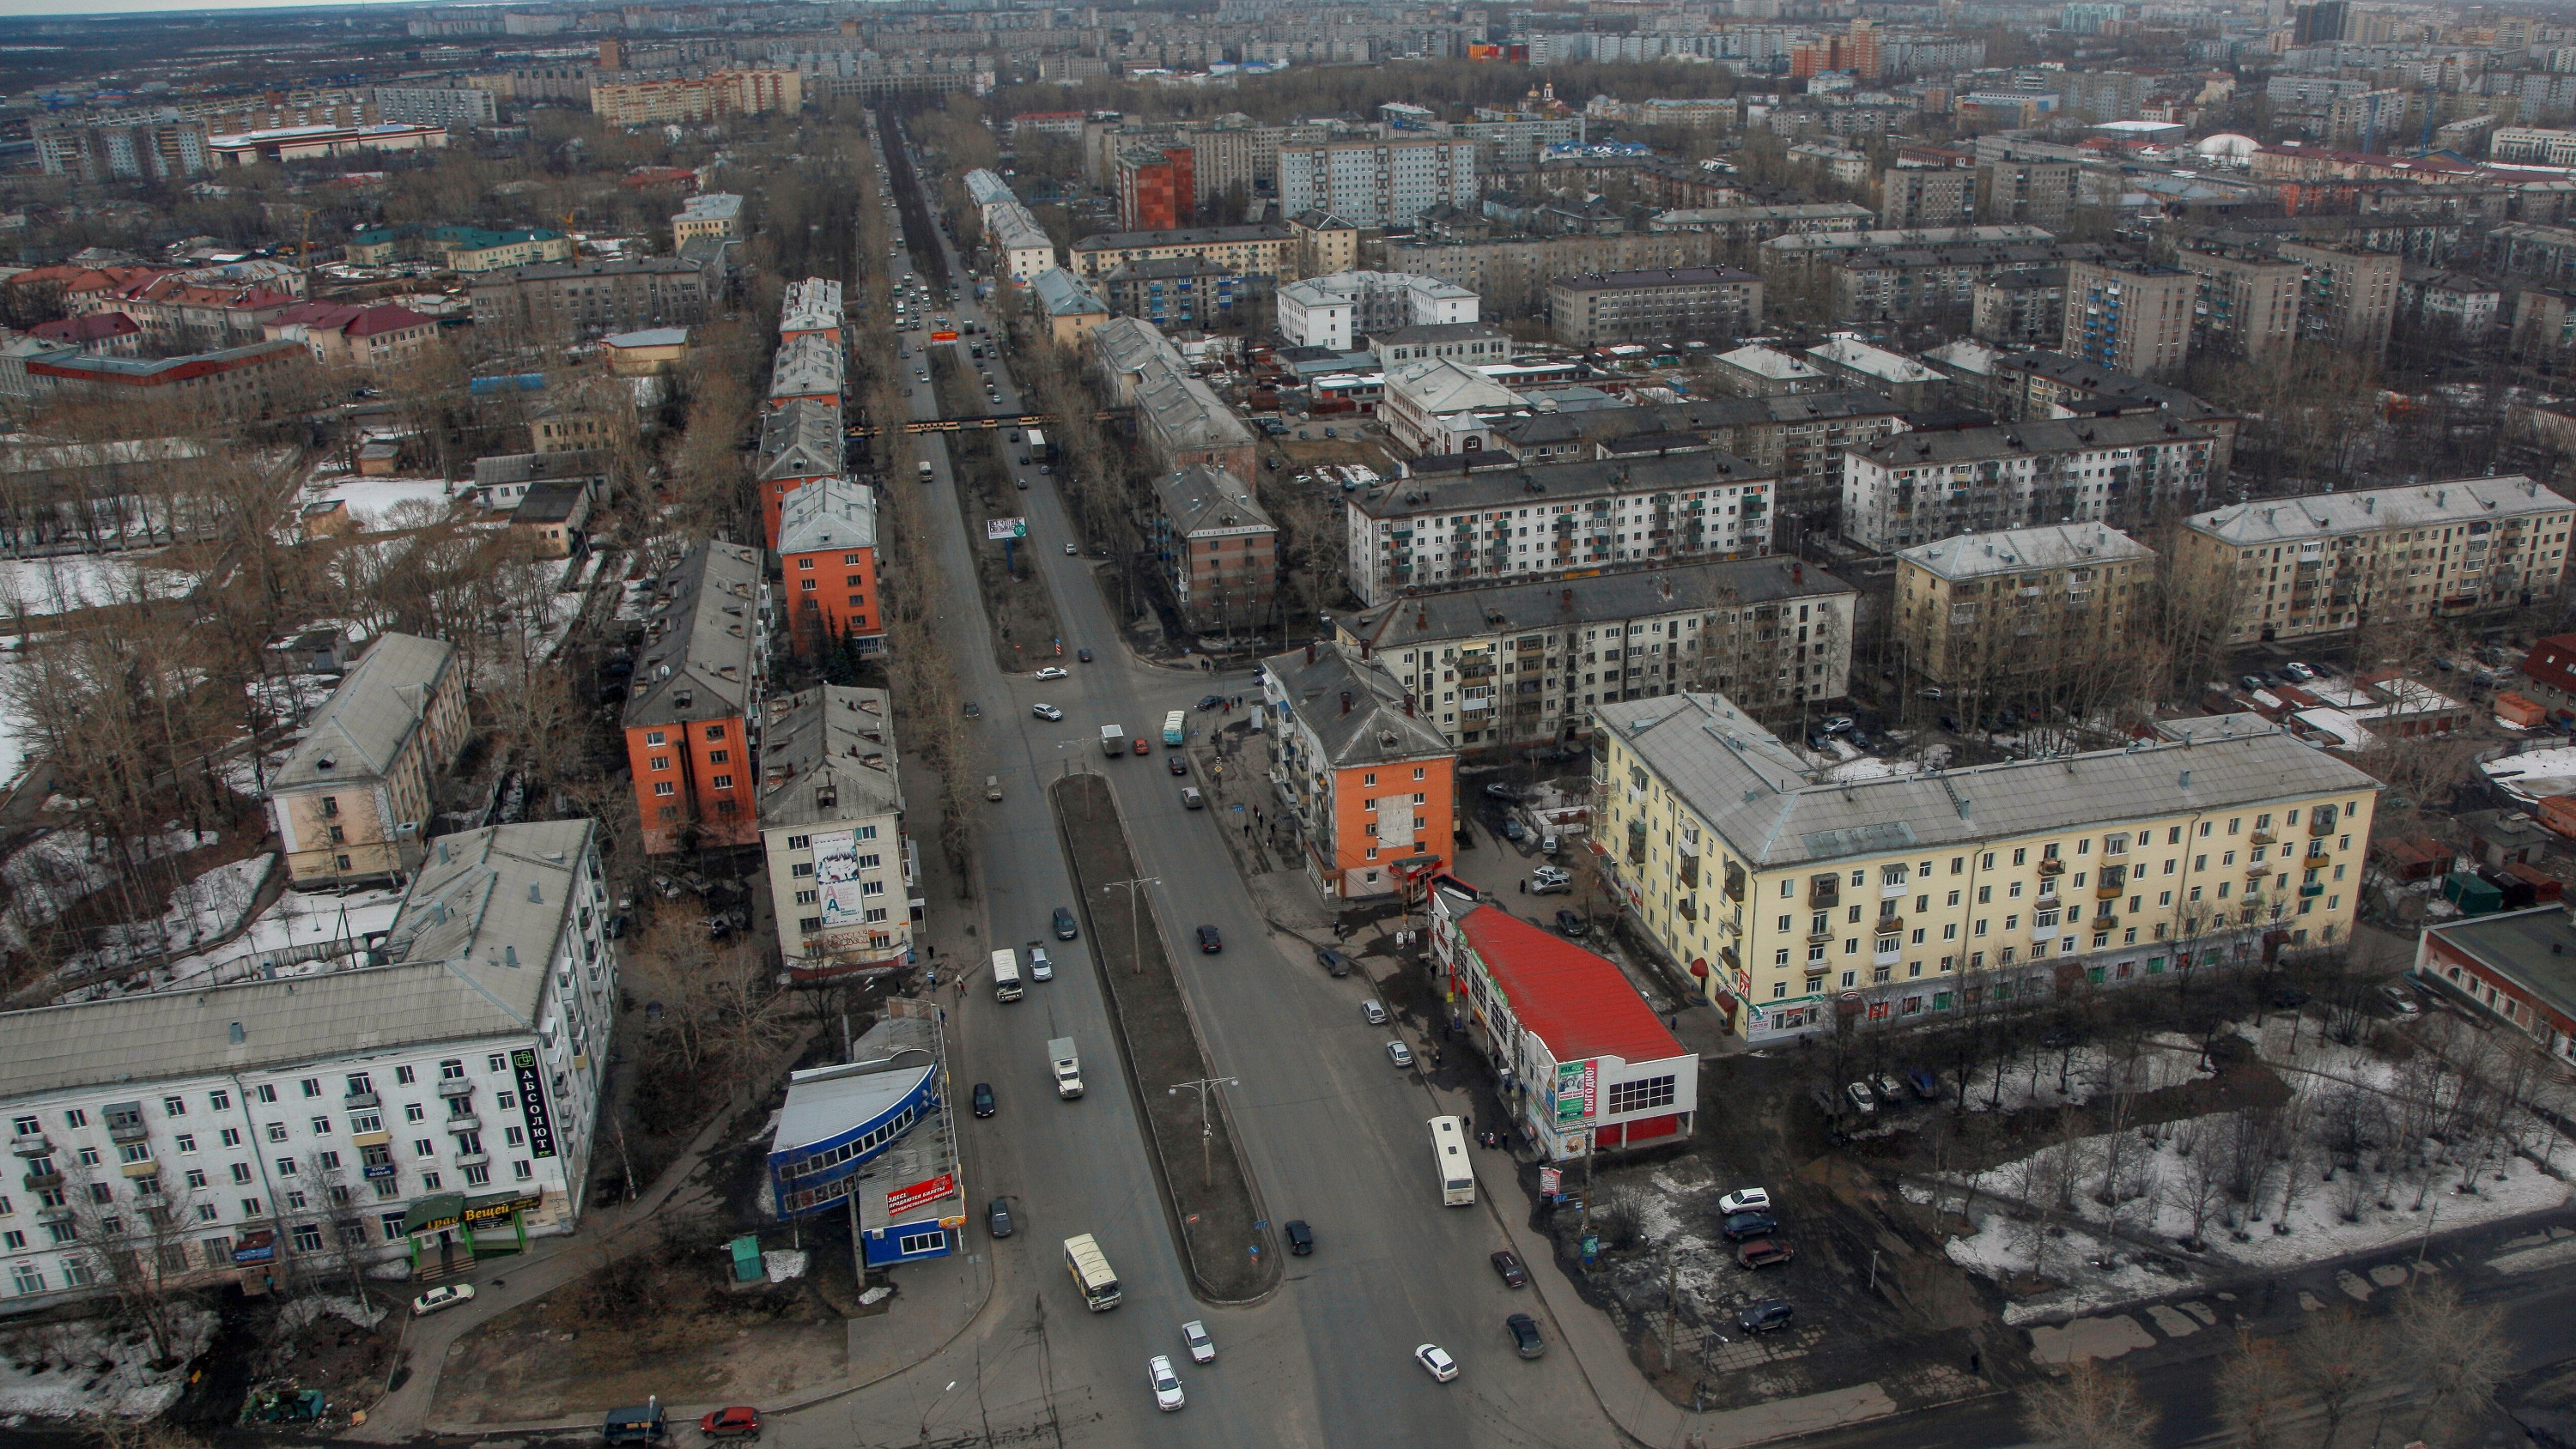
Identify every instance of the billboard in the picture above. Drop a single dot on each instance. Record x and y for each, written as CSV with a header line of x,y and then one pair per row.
x,y
998,529
1576,1083
836,879
904,1199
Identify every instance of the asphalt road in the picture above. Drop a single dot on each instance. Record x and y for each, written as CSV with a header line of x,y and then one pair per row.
x,y
1334,1133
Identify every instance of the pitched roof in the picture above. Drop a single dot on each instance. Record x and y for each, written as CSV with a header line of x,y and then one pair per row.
x,y
1555,603
1200,499
1063,294
801,440
2018,550
827,513
2460,500
1574,1001
1438,385
808,364
828,741
2025,439
1553,483
702,659
1376,729
358,735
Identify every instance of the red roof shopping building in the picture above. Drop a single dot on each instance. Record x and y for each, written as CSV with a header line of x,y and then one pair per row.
x,y
1584,1064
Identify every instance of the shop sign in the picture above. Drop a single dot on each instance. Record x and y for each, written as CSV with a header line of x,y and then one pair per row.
x,y
905,1199
532,1102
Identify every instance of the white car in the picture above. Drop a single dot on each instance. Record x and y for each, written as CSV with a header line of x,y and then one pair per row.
x,y
1400,1054
1046,711
1167,1384
1040,968
1050,672
445,1296
1202,1347
1744,1200
1068,550
1436,1361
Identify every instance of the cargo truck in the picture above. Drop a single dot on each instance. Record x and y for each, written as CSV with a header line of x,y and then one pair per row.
x,y
1113,741
1067,1067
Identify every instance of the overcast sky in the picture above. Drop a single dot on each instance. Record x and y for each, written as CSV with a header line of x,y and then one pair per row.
x,y
67,8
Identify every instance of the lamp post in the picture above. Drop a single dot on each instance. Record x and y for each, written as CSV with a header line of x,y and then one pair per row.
x,y
1207,1131
1135,944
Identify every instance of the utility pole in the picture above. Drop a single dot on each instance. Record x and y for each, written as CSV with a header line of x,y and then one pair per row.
x,y
1135,944
1207,1128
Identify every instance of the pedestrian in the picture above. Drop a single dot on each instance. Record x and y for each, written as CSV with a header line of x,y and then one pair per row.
x,y
1976,1363
1673,1020
1524,887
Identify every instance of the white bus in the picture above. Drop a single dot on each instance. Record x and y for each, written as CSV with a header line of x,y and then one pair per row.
x,y
1090,1269
1006,976
1449,1163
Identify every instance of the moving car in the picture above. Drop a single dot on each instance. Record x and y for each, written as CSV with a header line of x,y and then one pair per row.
x,y
1400,1054
1064,923
1210,701
1744,1200
1508,1264
1180,763
1143,747
1436,1361
445,1296
997,1218
1051,672
1167,1384
1046,711
1301,1238
1762,1252
734,1423
1210,942
1191,799
1202,1347
983,1097
1082,654
1524,1332
1765,1316
1040,968
1741,1227
1068,550
1333,962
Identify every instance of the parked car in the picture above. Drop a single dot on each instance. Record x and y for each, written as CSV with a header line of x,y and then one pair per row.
x,y
1333,961
1436,1361
1547,845
1202,1348
1210,701
2299,673
1862,1097
1525,1337
1514,830
1744,1200
1762,1253
1372,1013
1064,923
1890,1090
1040,968
1837,723
1549,881
734,1423
1167,1384
1740,1226
997,1218
446,1295
1570,924
1301,1238
2252,682
1210,942
1508,1264
1925,1084
2399,1000
1046,711
1503,792
1400,1054
1765,1316
983,1099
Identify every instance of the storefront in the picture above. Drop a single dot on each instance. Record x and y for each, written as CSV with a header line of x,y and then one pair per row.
x,y
449,1231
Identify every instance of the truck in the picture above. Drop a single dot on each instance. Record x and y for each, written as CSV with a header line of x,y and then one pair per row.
x,y
1006,975
1113,741
925,471
1175,729
1067,1066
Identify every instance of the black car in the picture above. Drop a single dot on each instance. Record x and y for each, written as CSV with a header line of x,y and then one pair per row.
x,y
1064,930
1209,941
1333,961
1524,1332
1180,763
1740,1226
1508,1264
1210,701
1765,1316
2289,998
1571,924
983,1099
1082,654
998,1218
1301,1238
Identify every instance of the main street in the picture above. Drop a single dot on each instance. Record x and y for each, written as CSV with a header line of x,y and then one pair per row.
x,y
1334,1134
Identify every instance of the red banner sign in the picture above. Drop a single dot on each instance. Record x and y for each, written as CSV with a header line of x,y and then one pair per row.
x,y
904,1199
943,336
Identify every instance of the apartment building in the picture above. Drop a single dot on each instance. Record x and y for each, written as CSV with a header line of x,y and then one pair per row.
x,y
709,213
1220,548
2038,385
1519,663
1262,251
2532,145
2134,319
1183,423
1847,359
2326,563
2348,297
2040,193
1798,440
258,379
1371,789
1321,244
1337,309
1379,182
694,704
436,1110
1073,307
691,100
354,802
841,871
1512,273
2246,304
2019,309
1694,303
1909,284
799,443
1551,520
1801,900
808,367
449,106
1984,608
1922,487
159,144
827,549
1920,196
1154,189
561,302
341,334
1440,407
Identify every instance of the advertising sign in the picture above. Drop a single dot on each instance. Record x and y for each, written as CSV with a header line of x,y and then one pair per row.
x,y
498,1207
1550,1181
259,1245
904,1199
836,879
943,335
532,1102
997,529
1576,1082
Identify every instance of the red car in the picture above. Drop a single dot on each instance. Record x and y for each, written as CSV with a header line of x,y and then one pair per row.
x,y
1142,747
731,1424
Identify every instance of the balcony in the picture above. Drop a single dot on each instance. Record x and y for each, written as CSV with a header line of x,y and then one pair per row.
x,y
1890,923
1890,890
31,1144
1818,938
470,1122
2051,866
2313,888
357,1100
40,1181
2109,891
1687,908
2320,824
1823,897
2043,932
473,1159
455,1087
2261,837
53,1215
127,1131
146,1168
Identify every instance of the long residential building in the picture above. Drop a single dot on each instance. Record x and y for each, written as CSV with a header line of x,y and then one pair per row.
x,y
437,1110
1800,440
551,302
355,801
695,703
1262,251
1675,305
654,101
1383,181
1552,520
2247,304
1797,900
1987,608
1520,663
2324,563
1512,273
1921,487
841,871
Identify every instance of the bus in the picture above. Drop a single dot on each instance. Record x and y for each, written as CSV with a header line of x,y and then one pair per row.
x,y
1176,729
1006,976
1449,1163
1090,1269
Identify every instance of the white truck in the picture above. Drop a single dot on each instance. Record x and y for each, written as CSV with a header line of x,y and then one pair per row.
x,y
1067,1066
1113,741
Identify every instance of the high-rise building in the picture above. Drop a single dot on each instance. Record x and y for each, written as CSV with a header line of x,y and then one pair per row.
x,y
2132,319
2247,304
1925,196
1155,189
2348,298
2321,23
1380,182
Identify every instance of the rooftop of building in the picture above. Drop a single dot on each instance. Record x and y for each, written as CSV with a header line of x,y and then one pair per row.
x,y
1345,286
2025,439
826,514
1432,334
1189,236
2022,550
711,206
2460,500
1654,277
2534,949
807,365
1186,412
647,337
827,753
1063,294
801,439
1439,385
601,267
1773,808
1359,713
1851,350
1470,612
1156,269
356,737
704,633
1548,483
1128,345
1576,1003
1200,499
1763,360
503,470
554,502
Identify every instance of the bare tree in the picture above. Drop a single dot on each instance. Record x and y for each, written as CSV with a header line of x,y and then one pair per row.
x,y
2335,1356
2254,1387
2462,1349
2093,1407
2198,1184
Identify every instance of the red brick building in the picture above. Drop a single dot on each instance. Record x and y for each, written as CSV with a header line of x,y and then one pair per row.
x,y
697,687
827,545
1155,188
2518,967
798,444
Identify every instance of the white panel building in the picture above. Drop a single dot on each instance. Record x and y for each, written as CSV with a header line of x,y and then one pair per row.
x,y
1384,182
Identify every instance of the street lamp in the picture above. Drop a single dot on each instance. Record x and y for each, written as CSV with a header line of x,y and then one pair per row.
x,y
1135,944
1207,1132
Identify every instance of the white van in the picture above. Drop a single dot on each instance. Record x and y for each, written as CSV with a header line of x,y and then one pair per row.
x,y
1006,975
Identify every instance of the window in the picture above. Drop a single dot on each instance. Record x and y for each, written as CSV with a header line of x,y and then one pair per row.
x,y
250,1207
312,1086
174,1106
423,1147
321,1126
196,1177
1641,1095
264,1092
229,1136
276,1131
286,1167
241,1172
413,1112
76,1118
403,1076
185,1142
910,1243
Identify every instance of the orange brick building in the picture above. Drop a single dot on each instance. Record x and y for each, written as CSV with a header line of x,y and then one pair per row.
x,y
1155,188
697,688
827,544
798,444
1374,789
